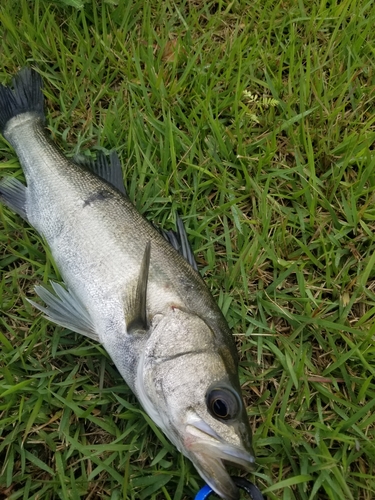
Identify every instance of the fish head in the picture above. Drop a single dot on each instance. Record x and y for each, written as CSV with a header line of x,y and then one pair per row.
x,y
188,384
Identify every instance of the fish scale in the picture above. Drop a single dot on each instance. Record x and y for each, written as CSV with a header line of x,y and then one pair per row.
x,y
132,289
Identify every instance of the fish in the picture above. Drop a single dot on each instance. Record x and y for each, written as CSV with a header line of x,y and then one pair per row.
x,y
130,287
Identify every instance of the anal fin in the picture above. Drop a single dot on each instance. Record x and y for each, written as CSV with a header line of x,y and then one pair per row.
x,y
13,195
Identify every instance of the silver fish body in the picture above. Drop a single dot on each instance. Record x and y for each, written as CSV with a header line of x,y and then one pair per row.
x,y
128,288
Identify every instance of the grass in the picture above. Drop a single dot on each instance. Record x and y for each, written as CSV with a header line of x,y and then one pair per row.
x,y
255,120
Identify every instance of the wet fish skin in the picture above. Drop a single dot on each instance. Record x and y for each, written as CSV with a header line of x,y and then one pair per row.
x,y
128,288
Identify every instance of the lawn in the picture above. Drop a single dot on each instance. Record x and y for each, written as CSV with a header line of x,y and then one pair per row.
x,y
255,121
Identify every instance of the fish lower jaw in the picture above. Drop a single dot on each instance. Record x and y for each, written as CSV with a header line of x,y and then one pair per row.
x,y
214,473
211,456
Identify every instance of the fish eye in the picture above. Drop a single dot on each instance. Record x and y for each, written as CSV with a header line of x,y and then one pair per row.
x,y
223,404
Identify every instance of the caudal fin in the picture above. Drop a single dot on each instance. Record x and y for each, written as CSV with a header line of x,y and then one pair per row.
x,y
25,96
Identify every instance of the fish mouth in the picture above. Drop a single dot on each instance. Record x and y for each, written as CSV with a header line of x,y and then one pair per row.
x,y
210,454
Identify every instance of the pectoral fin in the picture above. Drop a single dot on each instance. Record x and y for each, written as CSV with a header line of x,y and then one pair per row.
x,y
136,298
65,309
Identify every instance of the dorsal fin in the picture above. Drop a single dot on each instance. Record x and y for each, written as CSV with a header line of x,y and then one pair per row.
x,y
110,171
179,241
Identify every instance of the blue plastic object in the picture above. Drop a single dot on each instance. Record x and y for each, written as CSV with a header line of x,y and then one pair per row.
x,y
243,484
203,493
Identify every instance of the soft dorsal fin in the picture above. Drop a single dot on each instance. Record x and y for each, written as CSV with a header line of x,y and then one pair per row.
x,y
110,171
64,308
179,241
136,298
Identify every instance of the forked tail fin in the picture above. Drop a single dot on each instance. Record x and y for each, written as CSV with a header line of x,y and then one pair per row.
x,y
25,97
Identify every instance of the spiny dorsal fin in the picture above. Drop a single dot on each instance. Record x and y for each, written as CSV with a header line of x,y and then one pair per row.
x,y
110,171
136,298
179,241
